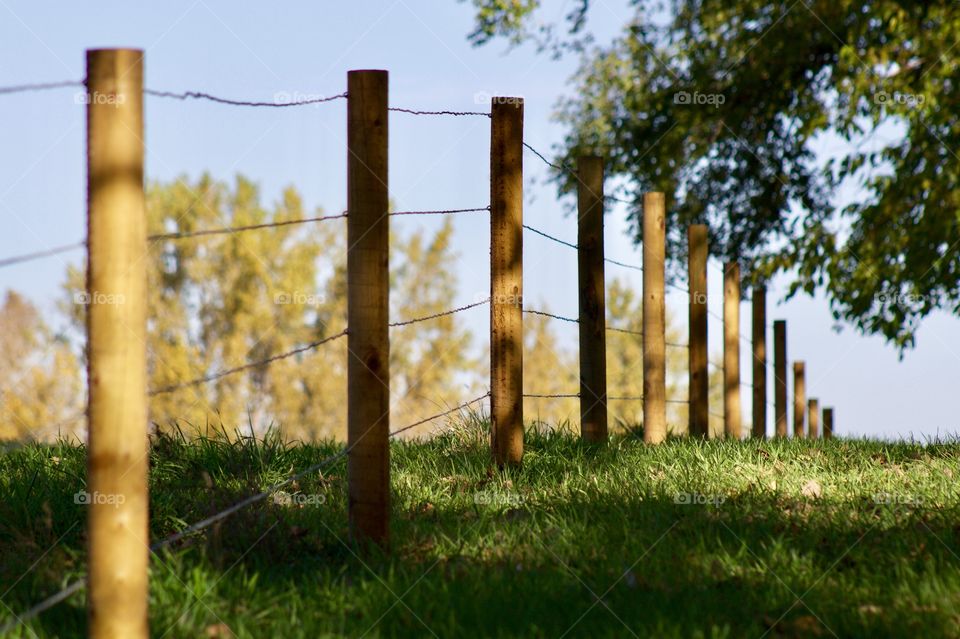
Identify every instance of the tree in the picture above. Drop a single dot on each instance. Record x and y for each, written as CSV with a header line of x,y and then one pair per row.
x,y
722,103
40,390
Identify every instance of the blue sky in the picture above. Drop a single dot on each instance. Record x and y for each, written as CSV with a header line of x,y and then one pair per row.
x,y
301,48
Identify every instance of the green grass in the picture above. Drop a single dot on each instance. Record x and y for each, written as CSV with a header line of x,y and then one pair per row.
x,y
525,553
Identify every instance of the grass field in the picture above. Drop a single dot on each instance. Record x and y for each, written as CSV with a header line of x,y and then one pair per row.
x,y
688,539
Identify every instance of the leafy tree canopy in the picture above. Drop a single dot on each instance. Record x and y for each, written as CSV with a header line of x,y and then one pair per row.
x,y
815,137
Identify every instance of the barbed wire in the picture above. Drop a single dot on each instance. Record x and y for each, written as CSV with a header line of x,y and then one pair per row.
x,y
36,255
550,395
79,584
455,113
556,317
40,86
569,171
238,229
442,212
625,397
550,237
247,366
200,95
440,314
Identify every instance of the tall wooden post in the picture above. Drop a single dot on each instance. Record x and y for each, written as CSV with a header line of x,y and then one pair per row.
x,y
699,383
780,376
799,399
506,280
828,423
813,412
759,362
116,339
654,319
732,420
593,332
368,368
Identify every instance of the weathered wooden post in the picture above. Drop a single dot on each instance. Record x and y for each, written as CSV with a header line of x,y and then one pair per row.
x,y
699,375
780,376
799,399
732,420
117,457
813,411
368,368
827,423
506,280
593,332
654,319
759,362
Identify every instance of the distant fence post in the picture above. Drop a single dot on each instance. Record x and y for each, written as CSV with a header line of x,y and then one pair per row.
x,y
732,420
116,491
506,280
759,362
654,319
368,368
593,332
828,423
780,376
799,398
813,412
699,375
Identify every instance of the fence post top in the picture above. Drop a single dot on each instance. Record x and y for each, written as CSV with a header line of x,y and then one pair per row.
x,y
115,50
357,71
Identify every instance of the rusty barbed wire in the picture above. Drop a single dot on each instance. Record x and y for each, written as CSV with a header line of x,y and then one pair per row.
x,y
454,113
36,255
238,369
441,211
436,315
41,86
200,95
239,229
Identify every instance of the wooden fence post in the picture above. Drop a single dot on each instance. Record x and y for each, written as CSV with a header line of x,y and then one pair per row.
x,y
780,376
799,399
732,420
117,455
828,423
654,319
699,375
813,411
506,280
368,343
759,362
593,331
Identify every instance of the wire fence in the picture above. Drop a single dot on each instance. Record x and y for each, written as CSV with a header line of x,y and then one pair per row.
x,y
281,102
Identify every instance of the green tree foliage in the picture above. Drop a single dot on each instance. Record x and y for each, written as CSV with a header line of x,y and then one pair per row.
x,y
720,103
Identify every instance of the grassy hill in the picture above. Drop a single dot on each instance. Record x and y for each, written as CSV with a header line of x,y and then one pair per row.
x,y
687,539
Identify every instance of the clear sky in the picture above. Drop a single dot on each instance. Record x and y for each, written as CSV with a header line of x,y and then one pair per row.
x,y
305,49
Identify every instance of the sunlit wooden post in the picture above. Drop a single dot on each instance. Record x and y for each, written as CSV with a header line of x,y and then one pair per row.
x,y
654,319
827,423
593,341
813,413
117,455
759,362
732,419
368,368
506,280
799,399
780,376
699,381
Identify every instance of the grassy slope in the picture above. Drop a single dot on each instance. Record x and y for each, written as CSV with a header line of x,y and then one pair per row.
x,y
524,553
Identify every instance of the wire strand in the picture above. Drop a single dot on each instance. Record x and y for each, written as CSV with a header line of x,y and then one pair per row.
x,y
436,315
199,95
29,257
239,229
40,86
557,317
455,113
442,212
